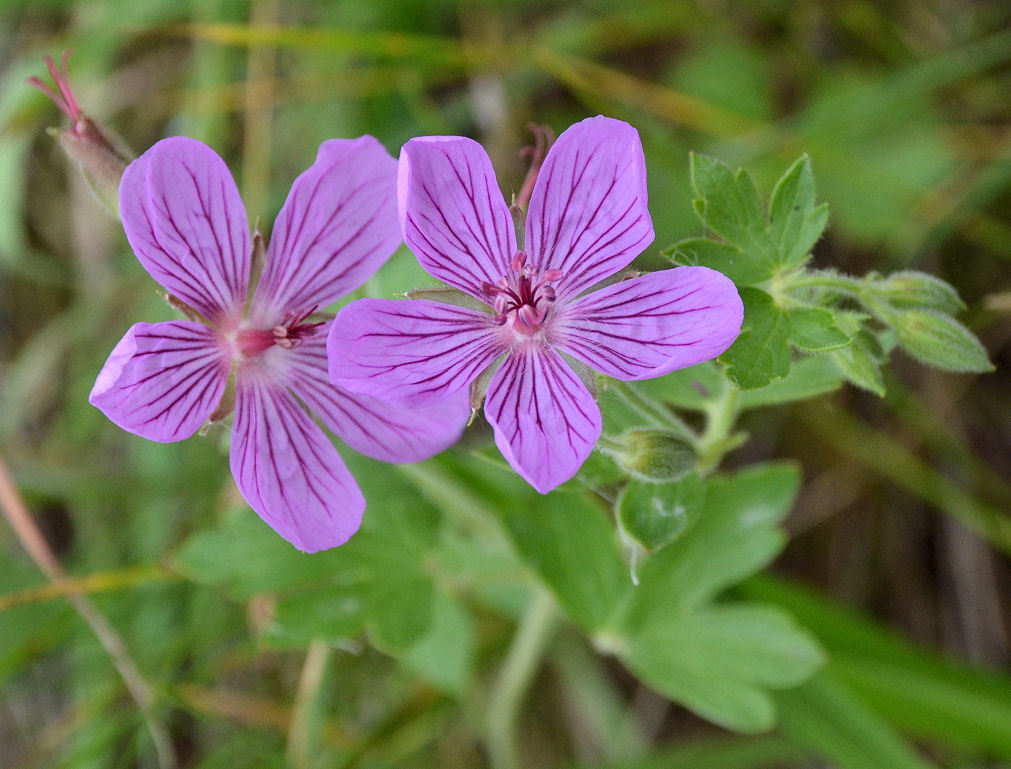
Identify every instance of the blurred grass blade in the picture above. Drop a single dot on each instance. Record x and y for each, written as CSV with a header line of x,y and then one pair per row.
x,y
721,753
926,695
823,716
429,50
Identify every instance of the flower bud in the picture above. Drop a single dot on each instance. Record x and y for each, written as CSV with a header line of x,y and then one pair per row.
x,y
99,154
910,289
653,455
939,340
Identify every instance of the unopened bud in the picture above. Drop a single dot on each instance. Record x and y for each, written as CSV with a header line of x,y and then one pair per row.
x,y
99,154
910,289
657,456
939,340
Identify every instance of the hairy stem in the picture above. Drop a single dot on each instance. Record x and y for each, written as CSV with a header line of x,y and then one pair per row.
x,y
16,513
514,678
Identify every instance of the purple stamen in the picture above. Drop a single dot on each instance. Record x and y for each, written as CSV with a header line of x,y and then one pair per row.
x,y
521,298
288,334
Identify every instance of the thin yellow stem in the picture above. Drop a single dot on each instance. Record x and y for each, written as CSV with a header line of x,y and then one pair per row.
x,y
99,582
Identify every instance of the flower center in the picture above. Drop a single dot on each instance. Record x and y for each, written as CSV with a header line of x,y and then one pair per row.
x,y
288,334
522,299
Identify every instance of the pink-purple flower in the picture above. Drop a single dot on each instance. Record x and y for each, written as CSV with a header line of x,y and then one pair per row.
x,y
587,220
186,223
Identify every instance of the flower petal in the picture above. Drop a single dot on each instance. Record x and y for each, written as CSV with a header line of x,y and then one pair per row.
x,y
370,426
588,215
162,380
337,227
545,420
452,212
654,324
414,352
185,221
287,469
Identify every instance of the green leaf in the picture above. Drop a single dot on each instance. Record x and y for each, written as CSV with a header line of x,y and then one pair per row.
x,y
795,223
334,614
566,538
653,514
735,536
910,289
719,660
762,351
813,329
689,388
729,205
941,341
600,470
860,363
445,654
824,716
401,612
247,558
808,377
740,267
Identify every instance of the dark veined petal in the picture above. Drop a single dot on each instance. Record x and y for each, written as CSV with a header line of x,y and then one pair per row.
x,y
287,469
588,215
337,227
545,421
414,352
162,380
370,426
452,212
654,324
185,221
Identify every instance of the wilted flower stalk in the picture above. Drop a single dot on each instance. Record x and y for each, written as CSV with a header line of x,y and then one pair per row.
x,y
101,156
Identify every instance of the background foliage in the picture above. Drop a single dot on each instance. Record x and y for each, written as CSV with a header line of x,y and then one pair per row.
x,y
472,622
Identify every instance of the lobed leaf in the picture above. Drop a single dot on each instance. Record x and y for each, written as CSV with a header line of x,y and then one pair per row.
x,y
734,537
719,661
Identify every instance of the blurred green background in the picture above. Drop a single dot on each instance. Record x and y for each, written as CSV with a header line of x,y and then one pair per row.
x,y
898,543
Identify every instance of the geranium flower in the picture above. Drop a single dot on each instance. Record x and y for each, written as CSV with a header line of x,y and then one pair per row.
x,y
586,221
185,221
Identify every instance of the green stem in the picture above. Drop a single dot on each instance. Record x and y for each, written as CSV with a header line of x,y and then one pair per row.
x,y
858,289
717,440
514,678
832,281
651,411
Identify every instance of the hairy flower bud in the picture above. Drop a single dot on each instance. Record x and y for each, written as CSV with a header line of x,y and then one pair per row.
x,y
910,289
657,456
98,153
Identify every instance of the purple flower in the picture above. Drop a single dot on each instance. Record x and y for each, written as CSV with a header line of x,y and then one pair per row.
x,y
587,220
185,221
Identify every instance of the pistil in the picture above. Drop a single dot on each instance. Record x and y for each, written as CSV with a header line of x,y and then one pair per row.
x,y
524,301
287,334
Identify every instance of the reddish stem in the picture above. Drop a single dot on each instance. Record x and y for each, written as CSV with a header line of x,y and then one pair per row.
x,y
544,137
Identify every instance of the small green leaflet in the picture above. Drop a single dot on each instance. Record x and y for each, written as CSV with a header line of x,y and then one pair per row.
x,y
756,249
762,354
